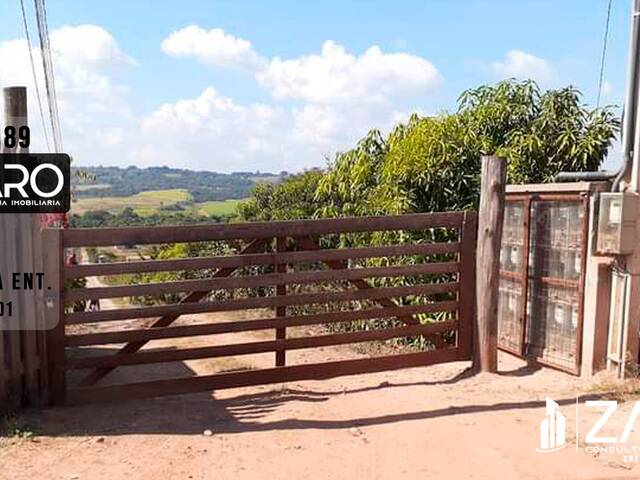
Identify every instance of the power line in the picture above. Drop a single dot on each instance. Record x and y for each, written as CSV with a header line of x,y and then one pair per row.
x,y
35,77
55,92
45,68
604,52
49,77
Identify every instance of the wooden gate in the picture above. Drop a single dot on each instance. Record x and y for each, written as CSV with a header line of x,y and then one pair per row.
x,y
416,273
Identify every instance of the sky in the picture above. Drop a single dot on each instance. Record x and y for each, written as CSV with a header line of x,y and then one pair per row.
x,y
283,85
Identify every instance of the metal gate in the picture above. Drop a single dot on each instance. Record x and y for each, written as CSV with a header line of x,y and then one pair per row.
x,y
542,268
409,276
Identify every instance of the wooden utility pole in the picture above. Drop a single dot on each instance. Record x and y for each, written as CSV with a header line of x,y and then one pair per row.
x,y
11,238
24,339
15,111
490,219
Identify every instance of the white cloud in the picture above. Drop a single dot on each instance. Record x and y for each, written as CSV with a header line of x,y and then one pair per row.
x,y
212,132
332,76
523,65
87,45
337,76
321,102
214,47
93,109
318,124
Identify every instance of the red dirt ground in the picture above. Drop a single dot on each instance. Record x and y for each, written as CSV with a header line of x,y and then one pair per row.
x,y
432,422
429,422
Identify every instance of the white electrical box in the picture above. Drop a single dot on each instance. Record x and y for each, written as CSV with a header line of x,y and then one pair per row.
x,y
617,223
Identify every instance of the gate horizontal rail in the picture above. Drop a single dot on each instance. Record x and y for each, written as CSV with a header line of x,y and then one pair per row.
x,y
262,302
162,356
95,237
179,264
254,325
313,371
280,266
261,281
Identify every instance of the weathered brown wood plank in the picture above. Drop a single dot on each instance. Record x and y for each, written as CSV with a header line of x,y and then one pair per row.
x,y
13,323
167,319
4,375
94,237
262,302
28,308
281,310
146,334
316,371
466,294
247,260
54,266
490,220
278,345
41,321
310,243
280,278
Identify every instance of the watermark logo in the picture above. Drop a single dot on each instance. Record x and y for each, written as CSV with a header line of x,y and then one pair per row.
x,y
35,183
598,439
553,429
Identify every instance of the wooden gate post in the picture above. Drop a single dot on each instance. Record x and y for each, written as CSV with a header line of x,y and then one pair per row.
x,y
490,219
21,337
467,276
281,312
54,314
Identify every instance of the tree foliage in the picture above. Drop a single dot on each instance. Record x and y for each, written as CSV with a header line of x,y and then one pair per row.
x,y
202,185
292,199
432,163
127,217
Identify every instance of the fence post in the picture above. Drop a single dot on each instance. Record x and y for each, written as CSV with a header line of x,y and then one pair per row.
x,y
54,314
466,296
20,339
490,219
281,312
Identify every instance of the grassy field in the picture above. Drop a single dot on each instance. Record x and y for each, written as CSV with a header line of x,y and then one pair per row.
x,y
227,207
152,201
93,186
144,203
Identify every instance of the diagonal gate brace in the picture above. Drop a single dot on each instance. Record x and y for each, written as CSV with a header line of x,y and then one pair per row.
x,y
132,347
309,243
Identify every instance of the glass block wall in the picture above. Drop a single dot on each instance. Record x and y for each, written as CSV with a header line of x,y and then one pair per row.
x,y
554,237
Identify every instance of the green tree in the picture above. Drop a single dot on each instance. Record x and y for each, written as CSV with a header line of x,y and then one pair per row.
x,y
433,163
293,198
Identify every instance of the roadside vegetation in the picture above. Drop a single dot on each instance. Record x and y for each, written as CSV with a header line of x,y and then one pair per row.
x,y
429,164
204,186
432,163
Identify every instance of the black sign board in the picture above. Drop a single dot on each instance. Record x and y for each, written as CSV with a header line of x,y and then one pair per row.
x,y
35,183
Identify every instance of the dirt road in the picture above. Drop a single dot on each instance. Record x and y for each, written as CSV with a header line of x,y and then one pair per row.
x,y
432,422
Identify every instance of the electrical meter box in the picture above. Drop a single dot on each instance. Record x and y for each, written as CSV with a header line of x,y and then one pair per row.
x,y
617,223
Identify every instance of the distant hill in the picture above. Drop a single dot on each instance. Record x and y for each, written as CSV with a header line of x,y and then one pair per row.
x,y
203,186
